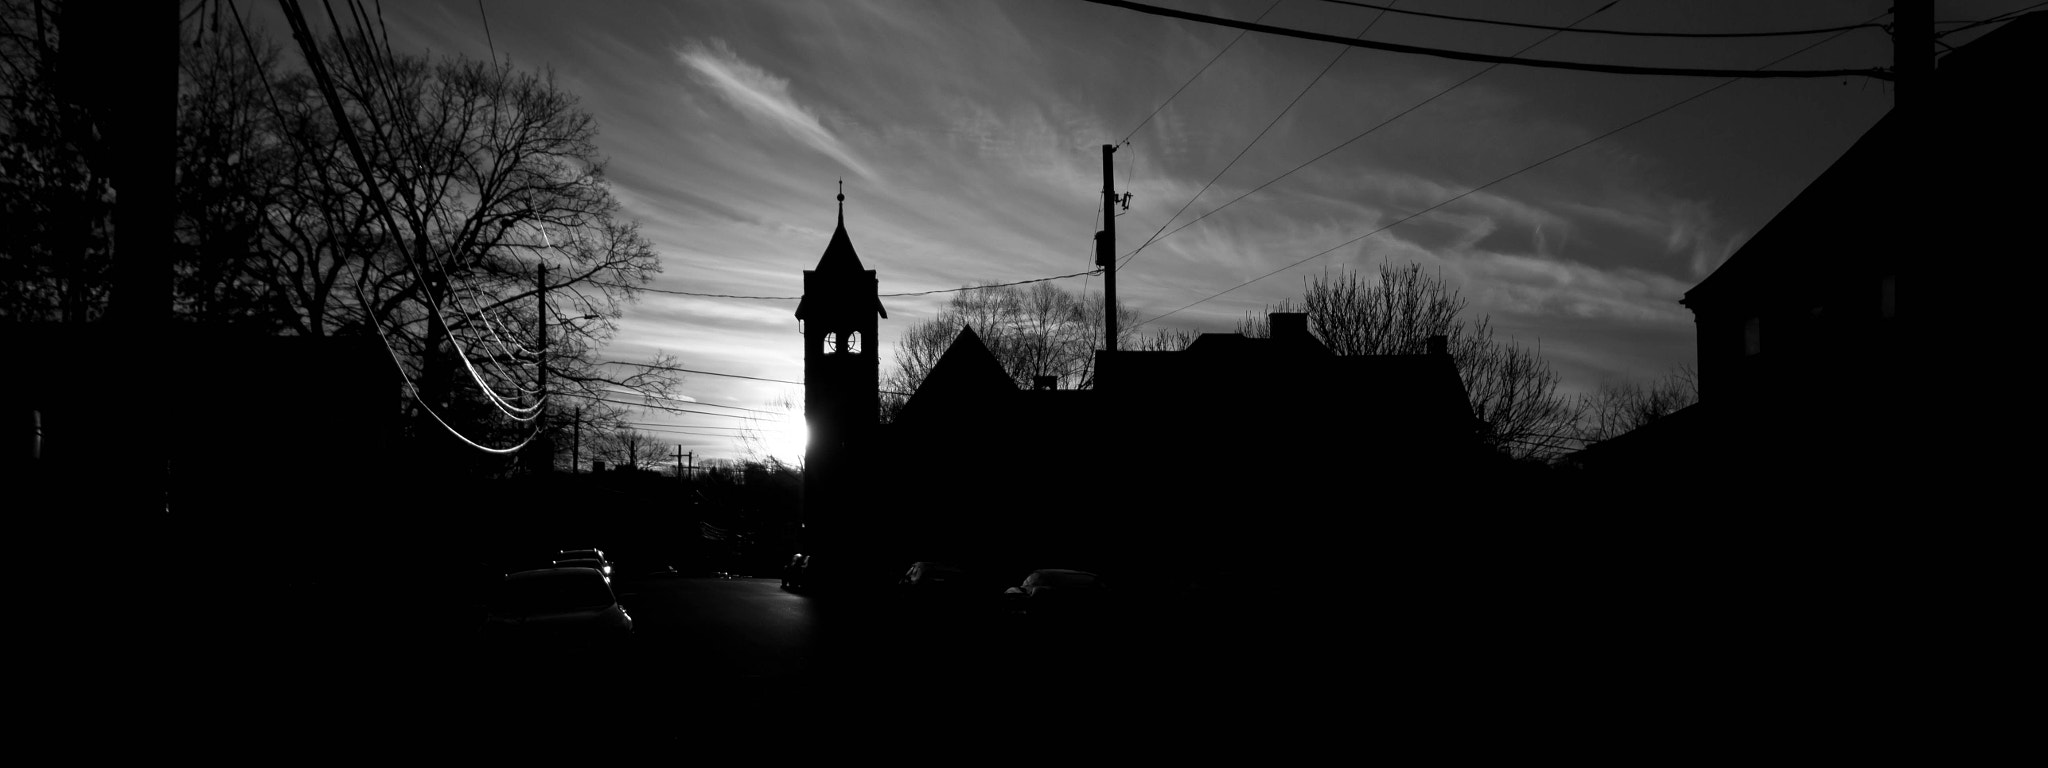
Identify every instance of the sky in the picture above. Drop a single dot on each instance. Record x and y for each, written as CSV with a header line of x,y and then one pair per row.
x,y
969,137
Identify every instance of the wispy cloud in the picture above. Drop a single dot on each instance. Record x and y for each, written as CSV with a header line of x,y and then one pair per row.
x,y
763,98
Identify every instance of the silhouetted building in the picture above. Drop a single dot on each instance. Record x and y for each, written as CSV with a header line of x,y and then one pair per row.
x,y
1243,447
1843,349
276,446
838,317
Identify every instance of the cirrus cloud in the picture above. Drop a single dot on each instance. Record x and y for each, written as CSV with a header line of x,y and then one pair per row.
x,y
764,98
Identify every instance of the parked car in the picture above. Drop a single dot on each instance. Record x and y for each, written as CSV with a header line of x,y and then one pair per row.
x,y
586,554
587,562
556,603
793,574
1058,592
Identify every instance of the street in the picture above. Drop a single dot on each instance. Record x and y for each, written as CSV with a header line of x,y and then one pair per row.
x,y
722,659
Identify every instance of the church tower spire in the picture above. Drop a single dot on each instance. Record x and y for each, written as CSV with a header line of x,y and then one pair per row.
x,y
842,373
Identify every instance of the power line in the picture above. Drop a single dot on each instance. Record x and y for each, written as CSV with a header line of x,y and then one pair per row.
x,y
884,295
1255,139
1191,80
680,426
1629,33
701,295
704,373
694,434
310,48
1348,142
1518,172
664,408
1617,69
994,285
2007,16
487,29
699,402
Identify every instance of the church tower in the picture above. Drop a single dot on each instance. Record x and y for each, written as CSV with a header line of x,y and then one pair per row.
x,y
838,317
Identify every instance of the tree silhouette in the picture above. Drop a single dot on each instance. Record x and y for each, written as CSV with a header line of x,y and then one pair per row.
x,y
1620,407
55,201
476,174
632,449
1512,391
1036,331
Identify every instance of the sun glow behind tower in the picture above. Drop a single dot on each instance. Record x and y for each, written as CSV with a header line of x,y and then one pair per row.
x,y
786,438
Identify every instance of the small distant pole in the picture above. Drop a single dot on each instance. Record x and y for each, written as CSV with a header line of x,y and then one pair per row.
x,y
679,462
576,445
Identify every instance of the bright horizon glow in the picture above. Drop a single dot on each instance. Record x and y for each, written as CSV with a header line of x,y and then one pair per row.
x,y
787,439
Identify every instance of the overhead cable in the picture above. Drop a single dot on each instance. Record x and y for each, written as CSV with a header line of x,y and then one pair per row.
x,y
666,408
883,295
2007,16
1191,80
1517,172
310,48
704,373
1347,142
1617,69
1255,139
1623,32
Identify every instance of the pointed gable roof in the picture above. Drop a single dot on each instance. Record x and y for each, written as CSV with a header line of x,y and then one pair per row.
x,y
839,255
840,268
966,376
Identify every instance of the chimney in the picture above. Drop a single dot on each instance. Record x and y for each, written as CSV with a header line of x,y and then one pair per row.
x,y
1289,327
1044,383
1439,345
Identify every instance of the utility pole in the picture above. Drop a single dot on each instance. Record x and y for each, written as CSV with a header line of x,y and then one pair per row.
x,y
576,445
679,461
1105,247
540,420
1913,103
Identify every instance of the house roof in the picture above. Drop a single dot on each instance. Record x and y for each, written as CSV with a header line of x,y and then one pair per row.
x,y
1836,209
1849,212
966,375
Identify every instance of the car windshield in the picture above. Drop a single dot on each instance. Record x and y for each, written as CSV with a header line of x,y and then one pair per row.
x,y
556,591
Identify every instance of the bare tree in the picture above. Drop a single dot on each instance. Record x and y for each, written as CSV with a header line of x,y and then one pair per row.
x,y
479,175
1165,340
55,205
632,449
1620,407
1512,391
1032,332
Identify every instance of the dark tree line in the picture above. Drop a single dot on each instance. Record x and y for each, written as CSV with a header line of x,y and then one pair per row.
x,y
1512,391
424,224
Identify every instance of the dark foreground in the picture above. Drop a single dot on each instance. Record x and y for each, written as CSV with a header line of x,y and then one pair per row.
x,y
741,666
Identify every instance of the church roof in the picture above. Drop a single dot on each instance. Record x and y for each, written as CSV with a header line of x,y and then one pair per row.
x,y
841,272
966,375
839,255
